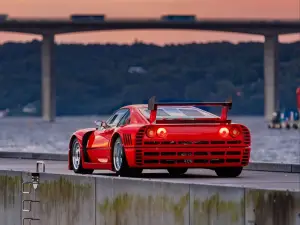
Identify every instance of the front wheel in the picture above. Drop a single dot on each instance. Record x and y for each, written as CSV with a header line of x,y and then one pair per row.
x,y
120,164
177,171
229,171
76,157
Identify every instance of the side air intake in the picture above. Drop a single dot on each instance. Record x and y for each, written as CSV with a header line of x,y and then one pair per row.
x,y
127,139
247,136
139,136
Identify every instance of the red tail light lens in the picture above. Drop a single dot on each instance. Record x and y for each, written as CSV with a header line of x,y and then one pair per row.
x,y
161,132
234,132
224,132
150,132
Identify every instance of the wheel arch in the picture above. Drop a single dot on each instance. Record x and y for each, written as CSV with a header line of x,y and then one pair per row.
x,y
73,137
112,142
83,140
113,139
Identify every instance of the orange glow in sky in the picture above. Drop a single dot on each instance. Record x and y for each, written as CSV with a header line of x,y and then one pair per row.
x,y
265,9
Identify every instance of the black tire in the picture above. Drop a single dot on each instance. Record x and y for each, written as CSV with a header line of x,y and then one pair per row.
x,y
288,126
77,168
229,171
295,126
123,169
177,171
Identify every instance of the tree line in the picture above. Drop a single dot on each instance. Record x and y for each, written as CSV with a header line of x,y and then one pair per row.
x,y
97,79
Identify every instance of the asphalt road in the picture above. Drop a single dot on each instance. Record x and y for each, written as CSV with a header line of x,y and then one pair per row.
x,y
252,179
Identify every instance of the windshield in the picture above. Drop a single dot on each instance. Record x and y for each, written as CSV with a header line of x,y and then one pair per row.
x,y
169,112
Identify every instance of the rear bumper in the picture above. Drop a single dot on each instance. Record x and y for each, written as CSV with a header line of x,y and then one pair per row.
x,y
161,158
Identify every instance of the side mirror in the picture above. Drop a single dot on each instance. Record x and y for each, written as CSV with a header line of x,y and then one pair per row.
x,y
104,124
98,123
101,123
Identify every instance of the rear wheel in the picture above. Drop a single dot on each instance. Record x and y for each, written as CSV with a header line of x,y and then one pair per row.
x,y
229,171
76,157
177,171
120,162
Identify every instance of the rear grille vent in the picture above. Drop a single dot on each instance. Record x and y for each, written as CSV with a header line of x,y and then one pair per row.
x,y
201,157
218,142
214,153
127,139
139,157
194,142
139,136
247,136
246,157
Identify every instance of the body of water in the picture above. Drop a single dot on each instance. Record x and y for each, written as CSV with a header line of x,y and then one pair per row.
x,y
34,135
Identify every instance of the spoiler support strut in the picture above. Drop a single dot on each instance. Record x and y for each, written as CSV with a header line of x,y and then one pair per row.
x,y
152,106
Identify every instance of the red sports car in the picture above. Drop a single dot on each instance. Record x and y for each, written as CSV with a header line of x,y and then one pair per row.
x,y
171,136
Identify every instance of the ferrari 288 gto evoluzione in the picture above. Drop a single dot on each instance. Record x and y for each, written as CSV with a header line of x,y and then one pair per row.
x,y
172,136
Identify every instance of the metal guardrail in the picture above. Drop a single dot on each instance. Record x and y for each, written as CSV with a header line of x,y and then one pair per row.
x,y
35,180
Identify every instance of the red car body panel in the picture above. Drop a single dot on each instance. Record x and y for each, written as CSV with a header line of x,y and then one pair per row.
x,y
189,144
192,147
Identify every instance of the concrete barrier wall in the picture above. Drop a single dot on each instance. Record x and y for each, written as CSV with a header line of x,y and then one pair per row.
x,y
270,207
10,197
87,200
61,199
216,205
137,202
273,167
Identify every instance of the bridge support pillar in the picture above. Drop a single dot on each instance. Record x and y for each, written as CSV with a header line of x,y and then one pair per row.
x,y
48,79
271,75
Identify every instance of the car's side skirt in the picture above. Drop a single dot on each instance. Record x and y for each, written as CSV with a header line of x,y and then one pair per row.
x,y
97,166
100,158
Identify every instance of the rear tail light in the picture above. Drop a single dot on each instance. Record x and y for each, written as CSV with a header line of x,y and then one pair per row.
x,y
159,132
224,132
234,132
150,132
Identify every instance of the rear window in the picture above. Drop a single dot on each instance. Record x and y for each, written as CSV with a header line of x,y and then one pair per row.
x,y
178,112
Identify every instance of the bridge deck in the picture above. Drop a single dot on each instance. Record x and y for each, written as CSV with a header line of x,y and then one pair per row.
x,y
59,26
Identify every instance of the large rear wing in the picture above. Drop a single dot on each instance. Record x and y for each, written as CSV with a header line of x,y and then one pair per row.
x,y
153,104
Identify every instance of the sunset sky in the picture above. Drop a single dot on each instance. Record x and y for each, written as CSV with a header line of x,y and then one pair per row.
x,y
268,9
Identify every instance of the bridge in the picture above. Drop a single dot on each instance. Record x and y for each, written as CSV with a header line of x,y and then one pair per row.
x,y
48,28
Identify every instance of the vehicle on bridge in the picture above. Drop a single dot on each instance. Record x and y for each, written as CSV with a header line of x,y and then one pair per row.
x,y
171,136
287,119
